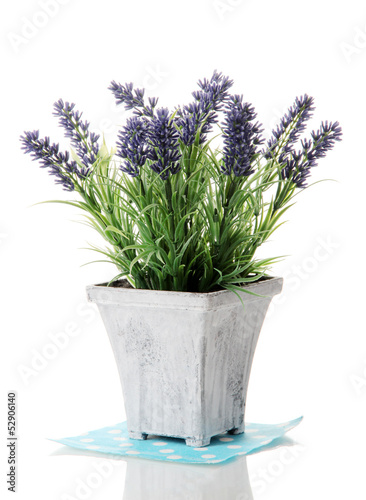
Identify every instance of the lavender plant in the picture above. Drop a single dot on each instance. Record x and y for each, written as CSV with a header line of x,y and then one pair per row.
x,y
175,214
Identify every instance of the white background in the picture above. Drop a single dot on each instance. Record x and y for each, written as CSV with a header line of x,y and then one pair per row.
x,y
311,357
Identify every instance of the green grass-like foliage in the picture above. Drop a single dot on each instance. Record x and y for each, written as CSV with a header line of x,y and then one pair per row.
x,y
196,231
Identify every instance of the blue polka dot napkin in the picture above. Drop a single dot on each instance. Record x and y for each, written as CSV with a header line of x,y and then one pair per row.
x,y
115,440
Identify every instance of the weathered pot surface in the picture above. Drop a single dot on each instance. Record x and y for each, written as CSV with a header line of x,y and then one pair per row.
x,y
184,359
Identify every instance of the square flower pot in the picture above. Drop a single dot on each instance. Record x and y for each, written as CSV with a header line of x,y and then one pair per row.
x,y
184,359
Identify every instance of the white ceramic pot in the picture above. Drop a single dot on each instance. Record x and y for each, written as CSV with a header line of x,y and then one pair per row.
x,y
184,359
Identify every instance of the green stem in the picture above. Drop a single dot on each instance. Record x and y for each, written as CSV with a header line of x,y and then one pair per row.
x,y
168,191
229,191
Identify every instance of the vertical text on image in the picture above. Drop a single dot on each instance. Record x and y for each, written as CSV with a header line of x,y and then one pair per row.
x,y
33,24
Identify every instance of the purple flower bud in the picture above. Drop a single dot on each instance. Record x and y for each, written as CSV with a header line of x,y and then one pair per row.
x,y
202,114
133,99
299,164
163,144
291,125
241,137
132,145
84,142
49,157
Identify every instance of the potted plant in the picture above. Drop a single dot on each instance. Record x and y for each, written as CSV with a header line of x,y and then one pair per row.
x,y
182,224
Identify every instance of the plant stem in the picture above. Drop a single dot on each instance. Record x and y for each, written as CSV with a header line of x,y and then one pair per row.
x,y
169,193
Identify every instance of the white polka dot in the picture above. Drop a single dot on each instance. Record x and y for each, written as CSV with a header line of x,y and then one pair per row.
x,y
126,444
115,431
250,431
226,440
166,451
266,442
200,449
87,440
174,457
159,443
260,436
93,447
234,447
214,461
119,439
242,453
133,452
208,456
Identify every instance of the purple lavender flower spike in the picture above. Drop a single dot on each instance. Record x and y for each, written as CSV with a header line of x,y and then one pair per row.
x,y
85,142
191,120
216,89
324,139
241,137
291,125
164,144
202,114
49,156
132,145
298,166
133,99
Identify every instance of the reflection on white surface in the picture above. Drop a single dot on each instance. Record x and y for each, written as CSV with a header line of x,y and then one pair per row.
x,y
153,480
160,480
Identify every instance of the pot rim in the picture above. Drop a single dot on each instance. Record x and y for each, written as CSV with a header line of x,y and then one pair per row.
x,y
254,284
107,295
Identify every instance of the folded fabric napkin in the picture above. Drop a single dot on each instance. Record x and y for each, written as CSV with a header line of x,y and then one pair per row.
x,y
115,440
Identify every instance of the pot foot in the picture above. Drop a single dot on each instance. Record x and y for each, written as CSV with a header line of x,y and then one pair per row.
x,y
197,443
237,430
137,435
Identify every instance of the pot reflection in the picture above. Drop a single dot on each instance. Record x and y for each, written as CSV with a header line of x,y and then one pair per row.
x,y
159,480
154,480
